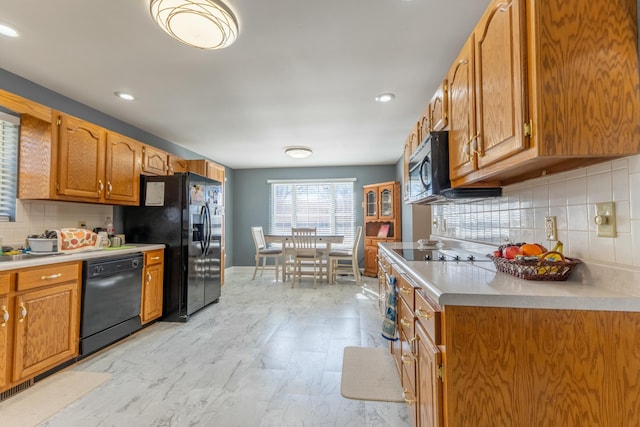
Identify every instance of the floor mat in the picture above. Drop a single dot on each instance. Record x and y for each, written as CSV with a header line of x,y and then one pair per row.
x,y
47,397
370,374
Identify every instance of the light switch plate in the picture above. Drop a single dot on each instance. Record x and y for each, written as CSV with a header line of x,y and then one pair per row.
x,y
606,219
550,228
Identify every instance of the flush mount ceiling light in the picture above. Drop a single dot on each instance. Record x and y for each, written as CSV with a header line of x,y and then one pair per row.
x,y
298,152
205,24
5,30
124,95
385,97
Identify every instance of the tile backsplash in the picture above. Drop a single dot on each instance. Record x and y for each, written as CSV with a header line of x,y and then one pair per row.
x,y
37,216
571,196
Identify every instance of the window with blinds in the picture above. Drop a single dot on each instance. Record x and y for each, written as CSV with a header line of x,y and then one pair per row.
x,y
325,205
9,131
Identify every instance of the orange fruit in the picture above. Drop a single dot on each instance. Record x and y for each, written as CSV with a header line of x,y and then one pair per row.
x,y
531,249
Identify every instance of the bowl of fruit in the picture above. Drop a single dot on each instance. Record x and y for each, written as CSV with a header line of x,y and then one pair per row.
x,y
532,261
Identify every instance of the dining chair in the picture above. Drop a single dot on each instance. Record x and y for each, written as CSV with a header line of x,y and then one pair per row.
x,y
306,253
345,261
263,253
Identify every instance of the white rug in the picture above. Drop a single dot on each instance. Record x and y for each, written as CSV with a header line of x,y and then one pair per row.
x,y
47,397
370,374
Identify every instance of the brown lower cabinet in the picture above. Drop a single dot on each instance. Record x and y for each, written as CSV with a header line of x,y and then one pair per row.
x,y
40,323
152,282
471,366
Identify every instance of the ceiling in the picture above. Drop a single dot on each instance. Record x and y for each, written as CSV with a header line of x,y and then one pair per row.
x,y
302,72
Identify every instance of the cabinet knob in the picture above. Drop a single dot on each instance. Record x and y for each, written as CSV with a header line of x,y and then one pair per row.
x,y
424,314
23,312
406,399
5,316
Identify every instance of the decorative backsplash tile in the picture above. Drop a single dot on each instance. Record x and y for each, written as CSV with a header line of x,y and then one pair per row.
x,y
38,216
571,196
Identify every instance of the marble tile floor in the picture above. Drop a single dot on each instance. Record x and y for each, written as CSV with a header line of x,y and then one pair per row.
x,y
266,355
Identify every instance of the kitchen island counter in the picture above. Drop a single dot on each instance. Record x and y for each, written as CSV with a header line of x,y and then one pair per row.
x,y
38,260
479,284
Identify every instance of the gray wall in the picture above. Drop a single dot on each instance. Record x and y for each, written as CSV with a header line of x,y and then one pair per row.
x,y
251,198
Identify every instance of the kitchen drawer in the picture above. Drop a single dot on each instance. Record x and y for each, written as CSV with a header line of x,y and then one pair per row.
x,y
153,257
406,319
428,315
48,275
405,289
5,281
409,394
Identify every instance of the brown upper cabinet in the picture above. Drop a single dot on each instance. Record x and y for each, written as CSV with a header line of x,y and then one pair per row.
x,y
154,161
83,162
438,110
207,168
544,86
177,164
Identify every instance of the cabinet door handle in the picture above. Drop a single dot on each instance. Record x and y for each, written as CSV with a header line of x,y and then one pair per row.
x,y
53,276
148,277
5,316
406,399
405,290
109,187
407,359
404,322
100,186
424,314
23,312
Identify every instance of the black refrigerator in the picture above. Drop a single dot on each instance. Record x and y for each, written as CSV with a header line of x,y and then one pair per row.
x,y
184,212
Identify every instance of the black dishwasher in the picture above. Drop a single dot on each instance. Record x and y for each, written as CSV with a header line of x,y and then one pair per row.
x,y
111,298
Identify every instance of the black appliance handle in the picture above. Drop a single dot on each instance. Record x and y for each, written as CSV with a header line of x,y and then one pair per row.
x,y
424,184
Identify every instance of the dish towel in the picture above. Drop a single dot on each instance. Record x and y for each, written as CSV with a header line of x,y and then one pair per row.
x,y
389,330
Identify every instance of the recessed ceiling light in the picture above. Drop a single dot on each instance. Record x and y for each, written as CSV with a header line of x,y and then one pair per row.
x,y
5,30
124,95
385,97
298,152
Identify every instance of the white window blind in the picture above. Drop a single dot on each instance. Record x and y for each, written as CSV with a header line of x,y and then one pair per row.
x,y
325,205
9,131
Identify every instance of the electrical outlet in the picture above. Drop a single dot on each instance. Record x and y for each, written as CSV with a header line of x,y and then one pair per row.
x,y
82,224
550,228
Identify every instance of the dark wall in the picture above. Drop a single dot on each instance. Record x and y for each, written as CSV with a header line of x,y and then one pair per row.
x,y
251,198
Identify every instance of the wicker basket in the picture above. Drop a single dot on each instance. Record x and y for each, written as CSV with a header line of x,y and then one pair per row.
x,y
542,269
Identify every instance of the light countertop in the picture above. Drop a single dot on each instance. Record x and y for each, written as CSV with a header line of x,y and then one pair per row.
x,y
479,284
36,260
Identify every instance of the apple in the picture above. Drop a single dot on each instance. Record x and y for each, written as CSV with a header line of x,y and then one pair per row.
x,y
497,253
510,252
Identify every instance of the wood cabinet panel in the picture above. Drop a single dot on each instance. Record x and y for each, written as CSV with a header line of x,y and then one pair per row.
x,y
541,367
81,159
177,164
154,161
462,119
47,275
438,108
5,324
152,286
500,83
37,157
429,381
123,167
47,329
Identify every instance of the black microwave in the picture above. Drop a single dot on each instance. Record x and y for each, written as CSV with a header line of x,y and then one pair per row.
x,y
429,180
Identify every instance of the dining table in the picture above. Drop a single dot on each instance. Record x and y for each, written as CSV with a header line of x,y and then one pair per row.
x,y
286,240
